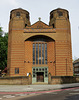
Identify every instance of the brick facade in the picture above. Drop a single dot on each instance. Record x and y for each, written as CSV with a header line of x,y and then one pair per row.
x,y
20,48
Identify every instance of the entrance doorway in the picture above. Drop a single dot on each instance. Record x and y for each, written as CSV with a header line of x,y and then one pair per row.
x,y
40,76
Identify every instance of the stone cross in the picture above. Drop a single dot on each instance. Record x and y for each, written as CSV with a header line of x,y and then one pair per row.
x,y
39,18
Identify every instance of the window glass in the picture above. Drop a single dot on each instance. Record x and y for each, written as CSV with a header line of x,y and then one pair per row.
x,y
33,75
51,16
33,69
43,69
37,69
40,69
42,53
60,13
39,40
45,53
45,75
36,53
39,53
53,25
18,14
33,53
27,16
16,70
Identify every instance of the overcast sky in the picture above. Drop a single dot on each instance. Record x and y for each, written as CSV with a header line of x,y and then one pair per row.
x,y
42,8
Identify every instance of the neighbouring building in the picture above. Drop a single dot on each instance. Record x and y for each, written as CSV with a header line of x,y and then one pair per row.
x,y
76,67
4,72
39,50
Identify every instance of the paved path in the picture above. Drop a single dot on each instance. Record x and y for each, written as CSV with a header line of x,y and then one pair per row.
x,y
33,88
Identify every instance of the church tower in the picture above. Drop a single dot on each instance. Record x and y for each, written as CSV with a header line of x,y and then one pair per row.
x,y
59,18
19,19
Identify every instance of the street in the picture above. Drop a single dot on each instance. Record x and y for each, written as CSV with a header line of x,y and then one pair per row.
x,y
62,94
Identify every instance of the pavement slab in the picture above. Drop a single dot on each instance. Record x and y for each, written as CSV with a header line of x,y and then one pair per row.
x,y
35,88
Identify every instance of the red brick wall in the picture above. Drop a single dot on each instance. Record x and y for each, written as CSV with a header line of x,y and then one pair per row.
x,y
28,57
51,57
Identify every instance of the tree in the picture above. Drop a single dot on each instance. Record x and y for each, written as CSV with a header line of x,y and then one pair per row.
x,y
3,49
0,32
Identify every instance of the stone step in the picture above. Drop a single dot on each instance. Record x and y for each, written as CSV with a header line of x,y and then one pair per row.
x,y
40,83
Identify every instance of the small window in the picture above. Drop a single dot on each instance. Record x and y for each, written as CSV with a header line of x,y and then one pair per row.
x,y
33,72
51,16
16,70
27,16
60,13
40,69
25,25
45,72
43,69
45,75
53,25
33,75
18,14
36,69
33,69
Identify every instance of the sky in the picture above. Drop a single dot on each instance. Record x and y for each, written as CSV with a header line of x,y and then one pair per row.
x,y
42,8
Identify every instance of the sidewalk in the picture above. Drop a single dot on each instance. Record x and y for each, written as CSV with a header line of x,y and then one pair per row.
x,y
34,88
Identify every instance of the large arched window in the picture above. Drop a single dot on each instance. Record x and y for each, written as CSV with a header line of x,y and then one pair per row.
x,y
40,50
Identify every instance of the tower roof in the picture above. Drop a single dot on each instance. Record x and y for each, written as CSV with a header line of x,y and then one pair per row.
x,y
58,9
19,9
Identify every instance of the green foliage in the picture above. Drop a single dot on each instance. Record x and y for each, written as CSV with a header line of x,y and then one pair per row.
x,y
0,32
3,49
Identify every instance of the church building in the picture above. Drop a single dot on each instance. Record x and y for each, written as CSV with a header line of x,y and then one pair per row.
x,y
39,50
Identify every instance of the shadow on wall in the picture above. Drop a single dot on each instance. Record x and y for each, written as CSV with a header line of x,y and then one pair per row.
x,y
64,79
72,97
68,79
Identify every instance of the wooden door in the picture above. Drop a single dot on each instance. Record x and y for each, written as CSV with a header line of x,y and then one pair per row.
x,y
40,76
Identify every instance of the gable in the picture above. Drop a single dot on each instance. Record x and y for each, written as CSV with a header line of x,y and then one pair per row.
x,y
40,25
